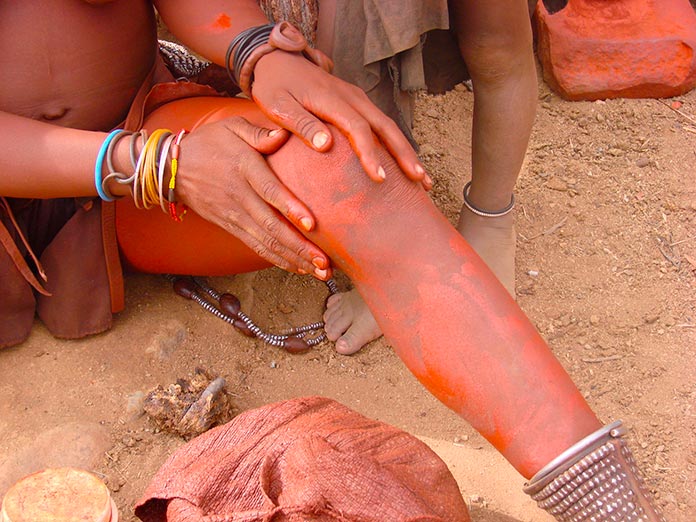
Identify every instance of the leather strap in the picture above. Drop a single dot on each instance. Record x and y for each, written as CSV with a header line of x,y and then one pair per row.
x,y
16,255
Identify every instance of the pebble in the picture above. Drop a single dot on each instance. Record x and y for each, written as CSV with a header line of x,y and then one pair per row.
x,y
533,273
134,406
642,162
651,318
594,320
426,149
273,364
167,339
556,184
285,308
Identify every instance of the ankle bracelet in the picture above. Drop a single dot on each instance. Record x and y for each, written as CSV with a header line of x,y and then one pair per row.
x,y
486,213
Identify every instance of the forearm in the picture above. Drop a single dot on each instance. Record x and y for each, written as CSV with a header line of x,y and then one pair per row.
x,y
209,27
47,161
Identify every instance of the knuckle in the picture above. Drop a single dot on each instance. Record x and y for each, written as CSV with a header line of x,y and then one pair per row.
x,y
306,125
273,245
269,191
358,125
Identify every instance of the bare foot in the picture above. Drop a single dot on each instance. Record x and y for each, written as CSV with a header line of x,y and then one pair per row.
x,y
493,238
349,322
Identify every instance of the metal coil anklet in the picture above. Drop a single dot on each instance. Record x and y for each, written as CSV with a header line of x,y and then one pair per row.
x,y
596,480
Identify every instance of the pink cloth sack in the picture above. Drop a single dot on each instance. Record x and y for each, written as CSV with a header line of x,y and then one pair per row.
x,y
306,459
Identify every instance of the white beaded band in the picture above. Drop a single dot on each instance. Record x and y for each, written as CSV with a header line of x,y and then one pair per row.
x,y
486,213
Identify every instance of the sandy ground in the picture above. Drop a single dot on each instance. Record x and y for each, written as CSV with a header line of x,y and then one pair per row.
x,y
606,270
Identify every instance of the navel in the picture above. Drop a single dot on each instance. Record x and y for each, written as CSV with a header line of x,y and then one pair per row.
x,y
54,113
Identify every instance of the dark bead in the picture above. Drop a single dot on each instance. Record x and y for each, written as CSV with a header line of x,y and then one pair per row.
x,y
230,304
243,328
295,345
185,287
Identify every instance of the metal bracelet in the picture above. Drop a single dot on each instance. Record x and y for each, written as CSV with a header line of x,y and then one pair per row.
x,y
595,480
485,213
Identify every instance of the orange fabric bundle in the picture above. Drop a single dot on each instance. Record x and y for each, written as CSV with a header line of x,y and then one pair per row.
x,y
307,459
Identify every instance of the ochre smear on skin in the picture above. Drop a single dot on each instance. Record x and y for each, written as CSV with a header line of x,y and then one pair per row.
x,y
221,22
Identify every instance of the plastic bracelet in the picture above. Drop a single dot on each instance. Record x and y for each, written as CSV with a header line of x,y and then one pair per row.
x,y
113,173
171,195
150,191
99,164
164,153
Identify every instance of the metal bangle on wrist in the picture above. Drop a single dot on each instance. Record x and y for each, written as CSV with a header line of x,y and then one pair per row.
x,y
247,48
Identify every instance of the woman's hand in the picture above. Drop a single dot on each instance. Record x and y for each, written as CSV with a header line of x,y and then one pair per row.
x,y
296,94
224,178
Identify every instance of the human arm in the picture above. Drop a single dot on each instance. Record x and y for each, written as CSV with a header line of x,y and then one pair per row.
x,y
292,91
41,160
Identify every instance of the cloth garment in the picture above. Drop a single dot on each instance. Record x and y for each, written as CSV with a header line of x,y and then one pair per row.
x,y
305,459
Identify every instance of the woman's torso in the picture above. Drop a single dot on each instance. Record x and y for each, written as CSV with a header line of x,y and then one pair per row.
x,y
74,63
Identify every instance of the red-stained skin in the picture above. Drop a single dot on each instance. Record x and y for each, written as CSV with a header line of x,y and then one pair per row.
x,y
439,306
222,21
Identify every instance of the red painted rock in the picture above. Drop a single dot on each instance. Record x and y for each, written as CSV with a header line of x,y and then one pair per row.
x,y
593,49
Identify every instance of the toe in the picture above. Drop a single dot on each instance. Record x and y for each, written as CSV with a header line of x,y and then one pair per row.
x,y
349,344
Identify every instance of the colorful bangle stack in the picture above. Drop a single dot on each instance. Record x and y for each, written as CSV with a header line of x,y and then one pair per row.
x,y
149,167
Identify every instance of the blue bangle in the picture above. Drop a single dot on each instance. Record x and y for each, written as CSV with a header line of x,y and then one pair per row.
x,y
99,165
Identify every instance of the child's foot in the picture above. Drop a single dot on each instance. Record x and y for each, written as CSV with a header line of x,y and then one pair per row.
x,y
493,239
349,322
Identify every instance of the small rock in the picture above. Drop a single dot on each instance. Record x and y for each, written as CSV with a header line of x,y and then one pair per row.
x,y
600,117
556,184
426,149
167,338
134,407
642,162
432,113
273,364
533,273
650,318
285,308
594,320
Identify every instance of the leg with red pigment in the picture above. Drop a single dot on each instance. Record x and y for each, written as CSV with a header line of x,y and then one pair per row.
x,y
462,334
453,324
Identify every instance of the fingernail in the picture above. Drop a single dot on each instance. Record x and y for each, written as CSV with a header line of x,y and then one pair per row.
x,y
321,274
301,271
306,224
274,132
320,139
428,181
380,173
319,262
420,170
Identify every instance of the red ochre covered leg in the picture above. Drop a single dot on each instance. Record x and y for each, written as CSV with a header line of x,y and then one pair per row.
x,y
594,49
439,306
